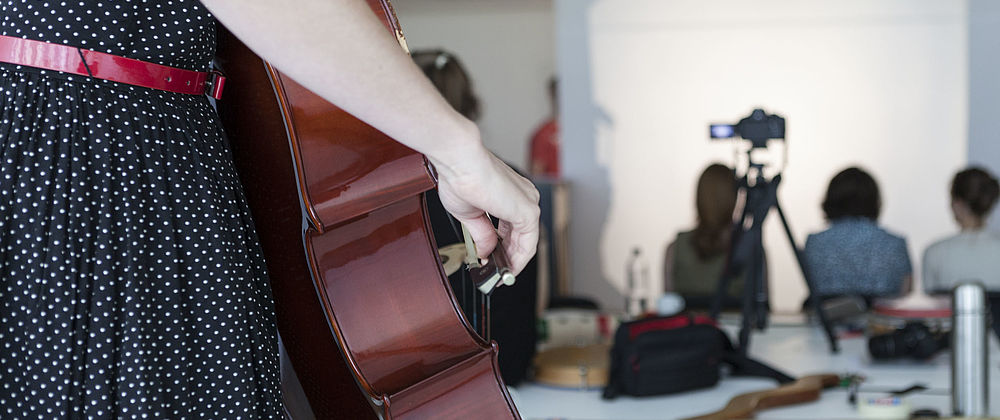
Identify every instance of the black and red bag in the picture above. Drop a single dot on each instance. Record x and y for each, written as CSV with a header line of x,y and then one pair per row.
x,y
666,355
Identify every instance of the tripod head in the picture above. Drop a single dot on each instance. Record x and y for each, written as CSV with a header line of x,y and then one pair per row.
x,y
757,128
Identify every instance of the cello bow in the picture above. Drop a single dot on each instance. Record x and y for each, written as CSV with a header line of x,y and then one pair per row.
x,y
363,307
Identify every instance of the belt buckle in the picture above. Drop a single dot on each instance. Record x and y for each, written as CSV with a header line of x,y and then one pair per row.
x,y
216,82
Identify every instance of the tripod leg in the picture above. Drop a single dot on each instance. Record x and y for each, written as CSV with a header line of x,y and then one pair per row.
x,y
760,302
834,345
749,297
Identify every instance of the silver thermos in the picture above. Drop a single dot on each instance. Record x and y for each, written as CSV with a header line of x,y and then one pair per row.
x,y
969,352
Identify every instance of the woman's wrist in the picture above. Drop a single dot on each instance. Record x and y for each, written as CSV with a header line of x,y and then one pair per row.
x,y
458,150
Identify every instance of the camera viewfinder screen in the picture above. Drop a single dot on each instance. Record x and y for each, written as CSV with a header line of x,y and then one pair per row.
x,y
722,131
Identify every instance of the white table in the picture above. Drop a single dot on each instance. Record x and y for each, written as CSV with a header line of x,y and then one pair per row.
x,y
795,348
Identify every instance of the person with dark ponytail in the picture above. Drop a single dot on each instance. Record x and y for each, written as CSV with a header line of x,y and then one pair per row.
x,y
854,256
695,260
448,75
973,253
513,308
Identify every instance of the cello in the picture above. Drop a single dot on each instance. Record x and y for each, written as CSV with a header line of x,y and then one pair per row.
x,y
363,306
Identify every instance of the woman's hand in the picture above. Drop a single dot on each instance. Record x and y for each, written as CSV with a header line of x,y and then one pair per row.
x,y
473,182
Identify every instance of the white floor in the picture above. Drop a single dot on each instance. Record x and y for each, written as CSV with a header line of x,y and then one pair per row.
x,y
795,348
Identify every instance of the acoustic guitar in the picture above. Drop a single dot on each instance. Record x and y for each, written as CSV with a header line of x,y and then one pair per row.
x,y
363,306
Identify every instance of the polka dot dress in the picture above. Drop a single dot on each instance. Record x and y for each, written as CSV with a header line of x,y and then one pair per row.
x,y
131,282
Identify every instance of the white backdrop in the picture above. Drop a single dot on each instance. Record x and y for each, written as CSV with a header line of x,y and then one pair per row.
x,y
880,84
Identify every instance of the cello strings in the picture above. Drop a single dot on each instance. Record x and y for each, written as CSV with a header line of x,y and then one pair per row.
x,y
467,301
488,322
479,304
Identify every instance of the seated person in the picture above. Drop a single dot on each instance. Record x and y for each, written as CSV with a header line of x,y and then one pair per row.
x,y
695,260
973,253
854,256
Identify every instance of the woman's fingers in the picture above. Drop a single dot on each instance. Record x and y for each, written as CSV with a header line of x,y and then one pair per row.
x,y
520,247
483,235
496,189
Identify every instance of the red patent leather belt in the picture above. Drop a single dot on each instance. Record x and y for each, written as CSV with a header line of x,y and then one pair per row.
x,y
111,67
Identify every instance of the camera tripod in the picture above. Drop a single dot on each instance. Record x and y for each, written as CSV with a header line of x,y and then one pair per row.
x,y
746,256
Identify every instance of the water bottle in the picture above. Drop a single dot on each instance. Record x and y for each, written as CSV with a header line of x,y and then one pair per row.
x,y
635,283
969,352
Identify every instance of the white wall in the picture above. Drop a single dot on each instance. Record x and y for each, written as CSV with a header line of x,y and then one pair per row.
x,y
878,84
508,49
984,91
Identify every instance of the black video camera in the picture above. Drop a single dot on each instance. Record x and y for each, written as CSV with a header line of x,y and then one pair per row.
x,y
759,127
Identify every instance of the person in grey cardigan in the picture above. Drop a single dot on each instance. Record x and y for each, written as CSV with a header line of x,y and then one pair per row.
x,y
974,252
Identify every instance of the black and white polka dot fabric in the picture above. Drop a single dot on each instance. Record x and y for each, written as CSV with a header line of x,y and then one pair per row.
x,y
131,282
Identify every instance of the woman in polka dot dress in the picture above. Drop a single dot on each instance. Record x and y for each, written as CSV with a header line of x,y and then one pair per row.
x,y
131,283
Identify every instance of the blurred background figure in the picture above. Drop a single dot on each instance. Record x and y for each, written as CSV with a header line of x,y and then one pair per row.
x,y
854,256
513,308
543,152
973,254
449,76
694,261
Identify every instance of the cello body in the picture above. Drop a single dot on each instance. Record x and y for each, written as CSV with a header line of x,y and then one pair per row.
x,y
363,305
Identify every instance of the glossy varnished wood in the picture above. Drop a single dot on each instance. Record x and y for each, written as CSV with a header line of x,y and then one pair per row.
x,y
363,305
362,171
260,145
381,251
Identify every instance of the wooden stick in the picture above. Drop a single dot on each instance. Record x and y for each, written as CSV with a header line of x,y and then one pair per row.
x,y
744,406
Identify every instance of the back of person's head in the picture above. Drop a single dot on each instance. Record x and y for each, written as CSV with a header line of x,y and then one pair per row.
x,y
715,200
449,77
977,189
852,193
